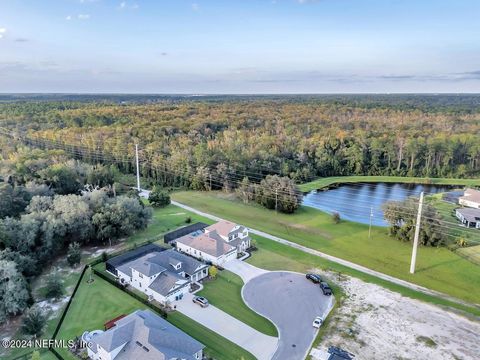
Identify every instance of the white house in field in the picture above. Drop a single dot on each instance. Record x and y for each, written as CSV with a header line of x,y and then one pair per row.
x,y
470,198
142,335
163,275
217,243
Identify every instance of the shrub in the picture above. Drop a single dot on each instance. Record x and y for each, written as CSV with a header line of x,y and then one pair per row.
x,y
159,197
336,217
188,220
74,254
54,286
212,272
34,320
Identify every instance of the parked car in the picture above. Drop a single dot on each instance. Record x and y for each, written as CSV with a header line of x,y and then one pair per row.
x,y
200,300
314,278
317,322
325,288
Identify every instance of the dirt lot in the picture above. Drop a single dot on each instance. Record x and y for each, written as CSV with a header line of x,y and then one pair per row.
x,y
375,323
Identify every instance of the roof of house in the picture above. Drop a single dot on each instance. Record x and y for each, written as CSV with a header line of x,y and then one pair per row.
x,y
223,227
146,335
172,235
163,261
165,282
471,215
471,195
210,243
237,241
134,254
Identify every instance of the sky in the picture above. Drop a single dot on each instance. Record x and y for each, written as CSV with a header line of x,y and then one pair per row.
x,y
240,46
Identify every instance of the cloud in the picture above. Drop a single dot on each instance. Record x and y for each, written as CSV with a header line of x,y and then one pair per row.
x,y
68,17
163,54
21,40
83,16
2,31
195,7
126,5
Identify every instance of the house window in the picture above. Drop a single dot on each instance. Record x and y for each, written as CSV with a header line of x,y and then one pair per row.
x,y
140,275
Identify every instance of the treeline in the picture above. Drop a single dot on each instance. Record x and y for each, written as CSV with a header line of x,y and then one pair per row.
x,y
50,205
302,138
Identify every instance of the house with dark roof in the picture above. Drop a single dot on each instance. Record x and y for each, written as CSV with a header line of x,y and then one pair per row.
x,y
142,335
163,275
469,217
218,243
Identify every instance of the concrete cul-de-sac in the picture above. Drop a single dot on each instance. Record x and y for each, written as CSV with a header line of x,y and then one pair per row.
x,y
287,299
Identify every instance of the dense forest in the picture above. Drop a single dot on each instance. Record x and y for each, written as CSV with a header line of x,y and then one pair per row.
x,y
51,206
186,141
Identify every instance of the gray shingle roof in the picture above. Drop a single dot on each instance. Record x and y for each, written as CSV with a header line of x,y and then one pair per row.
x,y
147,336
470,214
189,264
165,282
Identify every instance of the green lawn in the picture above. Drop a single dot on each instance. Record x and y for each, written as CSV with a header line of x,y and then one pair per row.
x,y
164,220
275,256
324,182
437,268
471,253
447,212
98,302
225,293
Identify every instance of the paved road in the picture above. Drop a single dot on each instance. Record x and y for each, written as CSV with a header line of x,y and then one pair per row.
x,y
291,302
246,271
335,259
260,345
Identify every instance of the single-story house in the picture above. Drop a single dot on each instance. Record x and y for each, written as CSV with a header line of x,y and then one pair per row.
x,y
469,217
218,243
470,198
165,275
142,335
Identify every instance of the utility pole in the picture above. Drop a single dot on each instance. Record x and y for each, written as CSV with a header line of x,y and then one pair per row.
x,y
138,168
417,233
371,218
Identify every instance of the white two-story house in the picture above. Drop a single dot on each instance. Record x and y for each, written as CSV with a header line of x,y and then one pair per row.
x,y
165,275
217,243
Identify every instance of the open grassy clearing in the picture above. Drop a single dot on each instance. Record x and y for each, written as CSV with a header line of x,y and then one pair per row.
x,y
98,302
225,293
164,220
437,268
327,181
274,256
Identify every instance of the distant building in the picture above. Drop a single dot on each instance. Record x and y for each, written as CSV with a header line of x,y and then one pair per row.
x,y
142,335
163,275
470,198
217,243
469,217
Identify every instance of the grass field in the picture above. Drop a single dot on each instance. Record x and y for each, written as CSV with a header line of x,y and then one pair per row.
x,y
437,268
471,253
274,256
225,293
327,181
98,302
164,220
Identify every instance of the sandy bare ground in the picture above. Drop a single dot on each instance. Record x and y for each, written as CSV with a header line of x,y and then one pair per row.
x,y
375,323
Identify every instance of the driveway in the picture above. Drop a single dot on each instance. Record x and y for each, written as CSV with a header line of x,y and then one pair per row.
x,y
291,302
260,345
246,271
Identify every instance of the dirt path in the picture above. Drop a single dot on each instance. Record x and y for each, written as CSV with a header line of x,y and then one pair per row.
x,y
375,323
